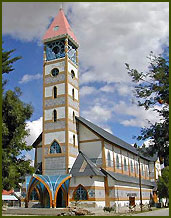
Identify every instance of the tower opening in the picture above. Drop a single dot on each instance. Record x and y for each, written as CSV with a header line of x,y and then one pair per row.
x,y
54,115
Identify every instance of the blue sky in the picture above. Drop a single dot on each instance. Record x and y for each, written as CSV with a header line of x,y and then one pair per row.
x,y
109,35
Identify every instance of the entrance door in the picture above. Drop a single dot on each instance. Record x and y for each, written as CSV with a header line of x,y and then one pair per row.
x,y
59,198
132,201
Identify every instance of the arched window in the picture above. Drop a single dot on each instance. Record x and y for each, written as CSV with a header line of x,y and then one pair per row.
x,y
125,165
72,74
109,159
132,168
80,193
73,117
54,92
73,95
55,148
54,115
117,162
55,71
74,140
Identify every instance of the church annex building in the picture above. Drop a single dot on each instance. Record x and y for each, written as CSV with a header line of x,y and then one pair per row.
x,y
75,159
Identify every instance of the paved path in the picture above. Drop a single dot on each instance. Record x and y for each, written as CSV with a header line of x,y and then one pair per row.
x,y
159,212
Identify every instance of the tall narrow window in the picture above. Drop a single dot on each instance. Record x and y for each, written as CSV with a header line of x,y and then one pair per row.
x,y
72,74
73,117
54,115
125,165
55,148
55,92
117,162
132,168
74,140
80,193
73,97
137,168
109,159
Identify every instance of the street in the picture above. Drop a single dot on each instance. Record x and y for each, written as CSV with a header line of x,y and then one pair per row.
x,y
159,212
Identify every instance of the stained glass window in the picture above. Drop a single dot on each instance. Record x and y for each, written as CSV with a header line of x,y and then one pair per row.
x,y
55,148
81,193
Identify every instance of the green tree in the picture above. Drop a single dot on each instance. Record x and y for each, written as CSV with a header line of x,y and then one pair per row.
x,y
163,183
152,91
15,113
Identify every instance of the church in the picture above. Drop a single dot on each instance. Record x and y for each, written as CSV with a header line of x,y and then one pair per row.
x,y
75,160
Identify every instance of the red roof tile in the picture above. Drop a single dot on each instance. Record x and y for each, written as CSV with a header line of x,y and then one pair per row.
x,y
59,26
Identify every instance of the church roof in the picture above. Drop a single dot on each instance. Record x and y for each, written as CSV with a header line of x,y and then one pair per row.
x,y
128,179
59,27
83,166
111,138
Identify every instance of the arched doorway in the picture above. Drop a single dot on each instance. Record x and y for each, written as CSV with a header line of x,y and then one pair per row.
x,y
60,198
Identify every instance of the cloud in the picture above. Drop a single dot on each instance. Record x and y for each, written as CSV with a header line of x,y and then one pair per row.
x,y
135,116
35,128
87,90
27,78
98,113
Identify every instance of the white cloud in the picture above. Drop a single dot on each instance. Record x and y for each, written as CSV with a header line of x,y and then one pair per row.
x,y
27,78
139,116
35,128
87,90
98,113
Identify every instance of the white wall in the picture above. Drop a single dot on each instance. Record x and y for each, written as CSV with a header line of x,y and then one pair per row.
x,y
70,88
92,149
87,181
71,161
60,90
71,138
85,133
71,67
60,113
70,113
59,65
58,136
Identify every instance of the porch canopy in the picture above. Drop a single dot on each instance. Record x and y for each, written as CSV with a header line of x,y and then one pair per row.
x,y
51,183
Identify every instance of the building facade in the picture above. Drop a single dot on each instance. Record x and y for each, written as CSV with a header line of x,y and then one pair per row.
x,y
76,160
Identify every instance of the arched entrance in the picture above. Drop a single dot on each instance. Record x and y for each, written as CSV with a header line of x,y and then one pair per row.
x,y
52,190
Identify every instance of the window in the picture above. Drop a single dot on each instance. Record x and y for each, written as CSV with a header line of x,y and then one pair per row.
x,y
80,193
55,71
132,169
73,117
125,165
54,116
142,170
55,148
72,74
137,168
117,162
109,159
74,140
147,172
73,97
55,92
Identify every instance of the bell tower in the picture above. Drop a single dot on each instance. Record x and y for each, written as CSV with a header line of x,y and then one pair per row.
x,y
60,97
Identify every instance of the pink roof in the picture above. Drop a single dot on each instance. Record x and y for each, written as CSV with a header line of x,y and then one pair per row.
x,y
5,192
59,26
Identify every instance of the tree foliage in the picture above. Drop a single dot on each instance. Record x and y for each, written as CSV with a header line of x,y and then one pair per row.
x,y
15,113
152,92
163,183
